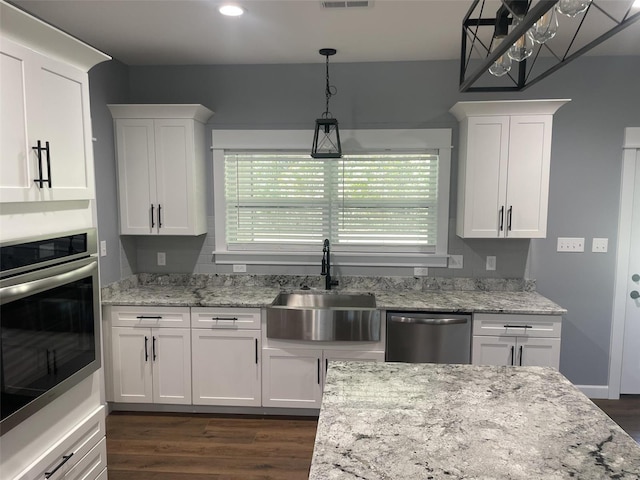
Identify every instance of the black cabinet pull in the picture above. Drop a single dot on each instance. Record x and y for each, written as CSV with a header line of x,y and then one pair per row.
x,y
512,352
518,326
326,366
148,317
159,216
46,149
146,352
521,351
225,318
509,215
153,348
152,217
65,459
256,351
318,371
501,215
39,148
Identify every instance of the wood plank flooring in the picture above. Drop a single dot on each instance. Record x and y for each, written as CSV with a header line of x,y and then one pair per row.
x,y
145,446
204,447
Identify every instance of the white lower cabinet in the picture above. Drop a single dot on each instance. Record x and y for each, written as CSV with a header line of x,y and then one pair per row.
x,y
80,455
150,354
226,367
519,340
294,377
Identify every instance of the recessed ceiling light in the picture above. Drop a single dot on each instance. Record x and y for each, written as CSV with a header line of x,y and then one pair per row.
x,y
231,10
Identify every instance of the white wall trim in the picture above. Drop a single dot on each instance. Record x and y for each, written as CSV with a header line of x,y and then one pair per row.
x,y
631,152
594,391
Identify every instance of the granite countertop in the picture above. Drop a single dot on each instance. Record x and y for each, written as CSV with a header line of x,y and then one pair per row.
x,y
408,300
427,421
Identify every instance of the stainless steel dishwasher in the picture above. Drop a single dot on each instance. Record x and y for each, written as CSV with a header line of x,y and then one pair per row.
x,y
423,337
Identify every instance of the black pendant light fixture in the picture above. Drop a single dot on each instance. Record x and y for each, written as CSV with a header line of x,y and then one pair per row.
x,y
326,137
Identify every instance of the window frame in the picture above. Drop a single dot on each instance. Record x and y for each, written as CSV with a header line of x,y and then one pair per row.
x,y
353,142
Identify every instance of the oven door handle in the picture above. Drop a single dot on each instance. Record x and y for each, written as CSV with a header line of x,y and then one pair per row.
x,y
21,290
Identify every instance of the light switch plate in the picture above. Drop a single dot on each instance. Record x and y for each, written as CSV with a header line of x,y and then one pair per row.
x,y
491,262
570,244
600,245
455,261
103,248
239,268
162,258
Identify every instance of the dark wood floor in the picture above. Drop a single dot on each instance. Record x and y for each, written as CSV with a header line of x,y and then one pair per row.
x,y
625,412
143,446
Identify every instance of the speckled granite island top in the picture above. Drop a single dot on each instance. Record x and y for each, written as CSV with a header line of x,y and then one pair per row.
x,y
426,421
389,296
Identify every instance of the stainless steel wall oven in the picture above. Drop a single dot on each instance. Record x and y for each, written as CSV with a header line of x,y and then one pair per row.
x,y
49,320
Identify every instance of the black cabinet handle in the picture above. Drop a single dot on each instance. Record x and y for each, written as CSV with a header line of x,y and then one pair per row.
x,y
146,352
159,216
518,326
509,215
225,318
153,348
148,317
46,149
65,459
152,217
521,351
318,371
39,148
501,215
256,351
512,352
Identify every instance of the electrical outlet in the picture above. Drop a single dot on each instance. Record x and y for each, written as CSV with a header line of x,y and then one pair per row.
x,y
162,258
239,268
491,263
103,248
570,244
420,271
600,245
455,261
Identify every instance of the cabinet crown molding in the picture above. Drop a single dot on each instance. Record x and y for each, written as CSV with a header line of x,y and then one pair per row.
x,y
24,29
194,111
462,110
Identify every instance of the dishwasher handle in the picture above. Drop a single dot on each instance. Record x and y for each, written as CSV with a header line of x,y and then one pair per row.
x,y
429,321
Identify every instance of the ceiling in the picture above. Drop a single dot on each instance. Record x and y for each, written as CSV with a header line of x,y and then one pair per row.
x,y
192,32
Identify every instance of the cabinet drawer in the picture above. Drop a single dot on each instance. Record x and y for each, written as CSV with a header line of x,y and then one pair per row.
x,y
150,317
64,455
91,465
517,325
229,318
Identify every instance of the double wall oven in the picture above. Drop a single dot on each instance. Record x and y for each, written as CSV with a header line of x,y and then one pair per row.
x,y
49,320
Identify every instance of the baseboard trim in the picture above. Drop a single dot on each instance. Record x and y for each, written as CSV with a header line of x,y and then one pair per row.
x,y
594,391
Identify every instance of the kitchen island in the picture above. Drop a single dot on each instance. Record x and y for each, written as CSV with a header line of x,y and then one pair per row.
x,y
427,421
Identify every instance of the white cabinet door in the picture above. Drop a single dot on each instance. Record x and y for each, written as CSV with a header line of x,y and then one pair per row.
x,y
487,149
292,378
132,368
528,178
541,352
226,367
136,176
490,350
44,101
171,360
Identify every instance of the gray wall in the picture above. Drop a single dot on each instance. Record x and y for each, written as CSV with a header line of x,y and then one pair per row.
x,y
108,83
585,170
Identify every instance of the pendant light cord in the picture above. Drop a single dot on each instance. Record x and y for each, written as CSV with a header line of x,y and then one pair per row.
x,y
330,91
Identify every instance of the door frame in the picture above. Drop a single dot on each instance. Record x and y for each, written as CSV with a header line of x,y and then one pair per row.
x,y
631,149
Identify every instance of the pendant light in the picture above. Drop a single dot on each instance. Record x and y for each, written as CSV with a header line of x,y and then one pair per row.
x,y
326,137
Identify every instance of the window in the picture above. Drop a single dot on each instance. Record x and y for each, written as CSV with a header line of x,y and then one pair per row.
x,y
370,202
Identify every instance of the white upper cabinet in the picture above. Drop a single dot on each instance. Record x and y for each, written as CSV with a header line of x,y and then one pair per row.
x,y
503,167
161,168
45,135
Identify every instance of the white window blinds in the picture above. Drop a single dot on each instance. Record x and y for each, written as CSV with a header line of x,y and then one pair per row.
x,y
367,199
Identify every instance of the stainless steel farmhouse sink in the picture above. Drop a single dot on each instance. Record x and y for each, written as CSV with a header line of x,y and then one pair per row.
x,y
327,317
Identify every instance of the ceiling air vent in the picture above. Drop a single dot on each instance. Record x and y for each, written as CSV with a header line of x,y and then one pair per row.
x,y
348,4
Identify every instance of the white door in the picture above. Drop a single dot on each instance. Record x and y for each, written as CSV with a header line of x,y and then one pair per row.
x,y
174,175
528,178
226,367
292,378
171,359
490,350
136,176
630,378
539,352
132,381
